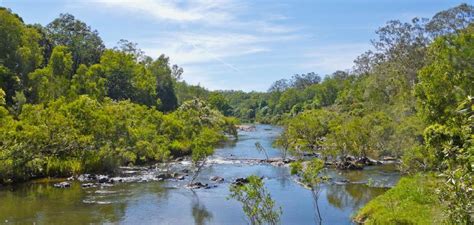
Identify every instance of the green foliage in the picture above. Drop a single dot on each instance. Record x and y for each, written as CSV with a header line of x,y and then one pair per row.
x,y
164,84
84,43
52,81
219,102
412,201
448,78
257,203
20,53
89,81
62,138
308,129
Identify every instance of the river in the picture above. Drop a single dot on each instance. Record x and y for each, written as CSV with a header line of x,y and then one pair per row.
x,y
145,200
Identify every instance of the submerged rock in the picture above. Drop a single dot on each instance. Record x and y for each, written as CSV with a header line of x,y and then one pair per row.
x,y
163,176
64,184
88,185
197,185
180,177
216,179
278,164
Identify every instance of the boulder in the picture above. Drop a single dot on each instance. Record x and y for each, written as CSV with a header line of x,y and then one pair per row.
x,y
102,178
368,161
349,165
240,181
85,177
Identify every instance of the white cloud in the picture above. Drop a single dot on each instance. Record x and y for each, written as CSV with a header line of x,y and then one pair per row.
x,y
207,11
195,48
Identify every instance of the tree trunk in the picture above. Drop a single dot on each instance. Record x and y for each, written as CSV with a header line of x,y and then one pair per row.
x,y
198,171
315,194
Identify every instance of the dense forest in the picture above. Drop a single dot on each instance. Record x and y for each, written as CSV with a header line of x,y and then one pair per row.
x,y
69,105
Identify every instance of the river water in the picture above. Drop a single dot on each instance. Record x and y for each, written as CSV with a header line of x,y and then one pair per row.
x,y
147,201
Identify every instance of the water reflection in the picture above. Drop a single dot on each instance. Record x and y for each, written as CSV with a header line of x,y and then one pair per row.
x,y
43,204
170,203
351,196
200,214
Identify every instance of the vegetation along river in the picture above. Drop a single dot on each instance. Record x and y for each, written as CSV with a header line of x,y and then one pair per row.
x,y
140,198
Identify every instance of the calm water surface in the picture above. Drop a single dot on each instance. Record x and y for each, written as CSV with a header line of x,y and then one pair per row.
x,y
157,202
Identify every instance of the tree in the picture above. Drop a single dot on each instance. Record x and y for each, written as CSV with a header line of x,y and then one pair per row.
x,y
90,81
165,90
309,173
20,53
219,102
447,79
260,148
11,31
279,86
202,147
52,81
284,141
84,43
257,203
119,68
451,20
130,48
305,80
308,130
444,84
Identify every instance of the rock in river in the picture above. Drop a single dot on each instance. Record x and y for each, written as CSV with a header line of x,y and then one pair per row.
x,y
240,181
88,185
216,179
62,185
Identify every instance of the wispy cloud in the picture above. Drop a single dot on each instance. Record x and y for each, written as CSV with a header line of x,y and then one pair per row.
x,y
330,58
208,31
207,11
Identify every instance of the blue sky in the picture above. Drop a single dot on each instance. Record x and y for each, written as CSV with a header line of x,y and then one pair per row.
x,y
238,44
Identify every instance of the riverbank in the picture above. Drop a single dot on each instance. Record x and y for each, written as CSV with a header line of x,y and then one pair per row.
x,y
143,198
412,201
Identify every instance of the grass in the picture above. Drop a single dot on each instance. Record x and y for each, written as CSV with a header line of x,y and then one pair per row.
x,y
412,201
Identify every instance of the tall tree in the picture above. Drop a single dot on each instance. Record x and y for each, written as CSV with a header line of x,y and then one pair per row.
x,y
165,83
84,43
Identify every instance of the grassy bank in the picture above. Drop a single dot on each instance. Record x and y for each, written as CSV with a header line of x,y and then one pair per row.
x,y
412,201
